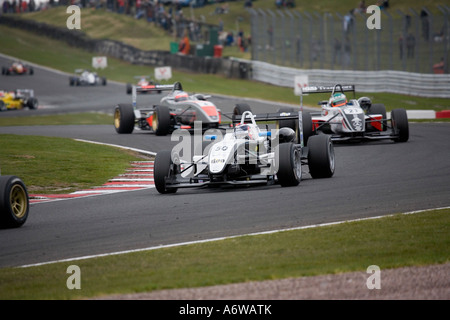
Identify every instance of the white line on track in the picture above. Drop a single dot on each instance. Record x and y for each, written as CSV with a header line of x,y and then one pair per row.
x,y
150,153
219,239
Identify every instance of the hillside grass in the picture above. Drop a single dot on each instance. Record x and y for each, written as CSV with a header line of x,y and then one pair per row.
x,y
36,49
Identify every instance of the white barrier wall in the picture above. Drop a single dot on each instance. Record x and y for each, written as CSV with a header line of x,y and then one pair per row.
x,y
417,84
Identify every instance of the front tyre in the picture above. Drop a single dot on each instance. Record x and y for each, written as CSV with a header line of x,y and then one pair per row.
x,y
289,165
32,103
14,202
124,119
163,170
399,120
321,160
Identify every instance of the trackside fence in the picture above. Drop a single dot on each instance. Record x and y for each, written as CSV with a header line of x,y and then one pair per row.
x,y
409,40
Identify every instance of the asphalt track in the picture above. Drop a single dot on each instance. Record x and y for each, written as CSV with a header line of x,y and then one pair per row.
x,y
371,179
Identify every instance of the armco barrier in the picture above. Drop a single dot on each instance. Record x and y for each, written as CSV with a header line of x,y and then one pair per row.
x,y
416,84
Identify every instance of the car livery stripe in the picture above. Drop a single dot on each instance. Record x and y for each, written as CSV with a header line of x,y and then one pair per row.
x,y
345,121
210,111
377,124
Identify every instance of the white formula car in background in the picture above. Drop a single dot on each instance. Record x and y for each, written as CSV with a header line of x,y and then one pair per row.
x,y
356,119
84,77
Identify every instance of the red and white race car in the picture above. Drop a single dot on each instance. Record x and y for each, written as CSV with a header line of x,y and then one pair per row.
x,y
356,119
17,67
143,81
177,110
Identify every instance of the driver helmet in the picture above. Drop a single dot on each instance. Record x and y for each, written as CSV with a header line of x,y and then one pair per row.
x,y
364,102
242,131
338,100
180,96
18,66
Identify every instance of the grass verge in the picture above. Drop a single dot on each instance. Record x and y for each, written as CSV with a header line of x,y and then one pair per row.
x,y
389,242
87,118
60,165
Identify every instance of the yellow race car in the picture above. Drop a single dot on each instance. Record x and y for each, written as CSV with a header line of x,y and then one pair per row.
x,y
18,99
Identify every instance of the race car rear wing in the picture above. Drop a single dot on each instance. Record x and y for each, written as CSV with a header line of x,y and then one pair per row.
x,y
24,93
159,87
296,115
332,89
154,87
326,89
269,116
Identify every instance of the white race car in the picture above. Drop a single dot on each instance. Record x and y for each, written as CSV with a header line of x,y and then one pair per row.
x,y
86,78
356,119
247,155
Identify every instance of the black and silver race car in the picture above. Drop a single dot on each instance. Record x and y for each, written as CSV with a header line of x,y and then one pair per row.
x,y
176,110
356,119
246,155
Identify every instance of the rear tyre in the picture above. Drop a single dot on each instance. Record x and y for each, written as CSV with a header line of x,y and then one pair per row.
x,y
289,165
129,88
289,123
32,103
14,202
321,160
124,119
399,120
308,130
163,169
239,109
161,120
